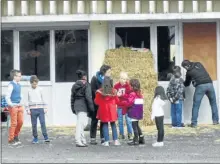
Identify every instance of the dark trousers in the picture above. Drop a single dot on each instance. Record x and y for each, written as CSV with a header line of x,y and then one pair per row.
x,y
209,91
35,113
93,128
160,128
136,129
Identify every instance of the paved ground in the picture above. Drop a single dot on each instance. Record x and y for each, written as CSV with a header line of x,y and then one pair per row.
x,y
200,145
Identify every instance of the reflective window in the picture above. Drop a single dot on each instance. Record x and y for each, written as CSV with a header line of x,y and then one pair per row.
x,y
35,53
71,54
137,37
6,54
166,51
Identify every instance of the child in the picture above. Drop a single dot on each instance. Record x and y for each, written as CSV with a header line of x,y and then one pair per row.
x,y
124,87
158,114
176,95
81,105
135,112
36,108
106,98
16,109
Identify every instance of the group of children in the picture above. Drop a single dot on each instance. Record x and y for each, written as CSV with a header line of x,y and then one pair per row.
x,y
113,102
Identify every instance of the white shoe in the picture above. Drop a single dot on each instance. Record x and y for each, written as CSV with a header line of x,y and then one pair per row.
x,y
105,144
158,144
117,143
174,127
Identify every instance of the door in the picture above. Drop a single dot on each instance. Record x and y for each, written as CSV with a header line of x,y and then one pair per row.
x,y
71,54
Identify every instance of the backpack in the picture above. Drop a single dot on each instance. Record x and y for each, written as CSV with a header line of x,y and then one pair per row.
x,y
4,103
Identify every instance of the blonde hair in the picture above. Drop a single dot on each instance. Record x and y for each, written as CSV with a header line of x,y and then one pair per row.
x,y
124,75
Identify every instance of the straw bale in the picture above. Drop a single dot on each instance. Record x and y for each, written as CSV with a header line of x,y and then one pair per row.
x,y
138,65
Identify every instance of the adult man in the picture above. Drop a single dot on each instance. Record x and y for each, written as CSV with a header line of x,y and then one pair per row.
x,y
197,74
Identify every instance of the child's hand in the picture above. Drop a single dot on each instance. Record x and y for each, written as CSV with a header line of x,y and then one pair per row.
x,y
28,112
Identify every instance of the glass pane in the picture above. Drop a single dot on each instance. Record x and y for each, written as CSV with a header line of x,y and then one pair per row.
x,y
6,54
35,53
166,51
71,54
137,37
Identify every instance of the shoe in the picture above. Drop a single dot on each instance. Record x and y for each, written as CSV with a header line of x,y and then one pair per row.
x,y
134,142
141,140
16,139
35,141
183,125
46,140
158,144
174,127
84,143
121,137
117,143
102,140
93,141
192,126
105,144
130,137
81,145
12,143
215,123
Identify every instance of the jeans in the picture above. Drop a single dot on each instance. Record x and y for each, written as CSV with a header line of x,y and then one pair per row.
x,y
93,128
35,113
160,128
106,131
201,90
121,123
176,114
137,130
82,121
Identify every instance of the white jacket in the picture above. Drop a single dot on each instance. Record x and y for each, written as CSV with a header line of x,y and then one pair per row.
x,y
157,108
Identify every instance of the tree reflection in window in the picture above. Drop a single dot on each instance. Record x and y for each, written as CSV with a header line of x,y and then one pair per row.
x,y
34,53
71,54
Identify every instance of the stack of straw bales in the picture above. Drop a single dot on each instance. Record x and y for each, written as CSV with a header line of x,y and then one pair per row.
x,y
138,65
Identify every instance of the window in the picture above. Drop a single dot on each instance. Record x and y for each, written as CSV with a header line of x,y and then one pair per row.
x,y
34,53
166,51
71,54
137,37
6,54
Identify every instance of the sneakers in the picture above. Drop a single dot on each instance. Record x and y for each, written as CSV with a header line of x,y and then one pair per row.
x,y
130,137
35,141
12,143
81,145
141,140
16,139
46,140
102,140
93,141
215,123
105,144
134,142
158,144
192,126
117,143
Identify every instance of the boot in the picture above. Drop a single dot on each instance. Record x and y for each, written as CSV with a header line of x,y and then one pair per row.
x,y
141,140
130,137
134,142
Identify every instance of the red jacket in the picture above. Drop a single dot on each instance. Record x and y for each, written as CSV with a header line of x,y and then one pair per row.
x,y
107,111
125,89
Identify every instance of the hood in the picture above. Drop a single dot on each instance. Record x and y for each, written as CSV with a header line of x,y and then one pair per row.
x,y
79,84
99,77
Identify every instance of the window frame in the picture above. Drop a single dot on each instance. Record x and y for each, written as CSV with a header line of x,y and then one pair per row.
x,y
51,27
153,38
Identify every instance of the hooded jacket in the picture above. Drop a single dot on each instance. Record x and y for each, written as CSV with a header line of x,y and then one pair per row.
x,y
197,74
107,111
81,97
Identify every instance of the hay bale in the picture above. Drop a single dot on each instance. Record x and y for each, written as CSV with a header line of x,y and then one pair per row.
x,y
138,65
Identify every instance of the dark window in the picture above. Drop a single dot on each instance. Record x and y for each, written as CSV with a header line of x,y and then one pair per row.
x,y
35,53
166,51
6,54
137,37
71,54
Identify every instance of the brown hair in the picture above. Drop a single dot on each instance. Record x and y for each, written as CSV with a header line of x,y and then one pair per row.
x,y
107,85
33,79
135,84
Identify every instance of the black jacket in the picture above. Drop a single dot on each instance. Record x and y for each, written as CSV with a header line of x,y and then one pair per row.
x,y
197,74
81,97
96,83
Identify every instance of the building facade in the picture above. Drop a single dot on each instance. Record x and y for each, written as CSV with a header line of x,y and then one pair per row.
x,y
53,38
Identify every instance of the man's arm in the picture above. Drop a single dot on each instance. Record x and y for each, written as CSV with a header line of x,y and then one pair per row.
x,y
188,80
8,95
